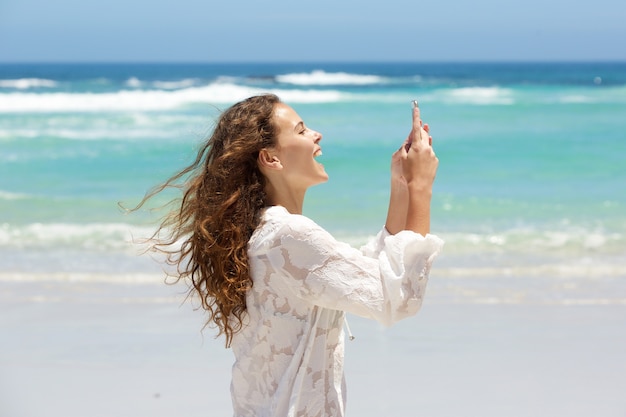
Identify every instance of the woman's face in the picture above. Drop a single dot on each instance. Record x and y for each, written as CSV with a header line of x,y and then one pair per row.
x,y
297,147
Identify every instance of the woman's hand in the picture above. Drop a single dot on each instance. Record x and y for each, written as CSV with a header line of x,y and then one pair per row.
x,y
407,166
419,162
419,166
413,169
397,172
399,196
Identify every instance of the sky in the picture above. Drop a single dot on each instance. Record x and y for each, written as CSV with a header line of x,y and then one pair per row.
x,y
320,30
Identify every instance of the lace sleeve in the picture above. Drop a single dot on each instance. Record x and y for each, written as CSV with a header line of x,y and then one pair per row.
x,y
327,273
375,245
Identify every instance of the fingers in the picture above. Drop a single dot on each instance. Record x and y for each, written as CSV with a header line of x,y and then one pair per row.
x,y
417,124
427,130
417,121
420,131
425,141
406,145
402,151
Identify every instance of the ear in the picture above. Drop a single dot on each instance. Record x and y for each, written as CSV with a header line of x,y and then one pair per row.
x,y
268,160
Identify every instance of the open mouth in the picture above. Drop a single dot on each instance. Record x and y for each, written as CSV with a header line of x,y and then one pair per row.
x,y
317,154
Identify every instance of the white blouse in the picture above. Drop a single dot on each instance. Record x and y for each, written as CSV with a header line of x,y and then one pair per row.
x,y
289,354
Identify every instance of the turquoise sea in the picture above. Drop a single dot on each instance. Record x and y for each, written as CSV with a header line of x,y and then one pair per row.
x,y
532,176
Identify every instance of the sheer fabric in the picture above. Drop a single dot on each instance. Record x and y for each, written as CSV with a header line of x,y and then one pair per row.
x,y
289,354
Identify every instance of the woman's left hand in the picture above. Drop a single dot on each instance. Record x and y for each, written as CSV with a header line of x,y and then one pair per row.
x,y
397,176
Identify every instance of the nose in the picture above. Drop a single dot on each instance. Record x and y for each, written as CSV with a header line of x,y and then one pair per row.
x,y
317,135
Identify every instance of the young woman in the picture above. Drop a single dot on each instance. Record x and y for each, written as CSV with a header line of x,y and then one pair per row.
x,y
273,282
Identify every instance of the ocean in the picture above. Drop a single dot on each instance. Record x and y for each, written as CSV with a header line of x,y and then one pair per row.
x,y
532,178
524,312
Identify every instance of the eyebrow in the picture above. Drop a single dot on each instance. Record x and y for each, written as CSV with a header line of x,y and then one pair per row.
x,y
298,126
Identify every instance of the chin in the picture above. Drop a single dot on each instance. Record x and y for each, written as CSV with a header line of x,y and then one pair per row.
x,y
321,180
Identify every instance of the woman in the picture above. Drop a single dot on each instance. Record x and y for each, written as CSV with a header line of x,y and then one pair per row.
x,y
273,282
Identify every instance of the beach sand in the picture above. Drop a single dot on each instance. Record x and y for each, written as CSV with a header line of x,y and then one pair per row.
x,y
76,348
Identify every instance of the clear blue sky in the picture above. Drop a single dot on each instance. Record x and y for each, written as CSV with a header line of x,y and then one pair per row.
x,y
319,30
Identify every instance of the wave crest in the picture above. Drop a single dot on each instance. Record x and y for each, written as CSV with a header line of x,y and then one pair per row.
x,y
155,100
319,77
477,95
26,83
135,82
6,195
93,236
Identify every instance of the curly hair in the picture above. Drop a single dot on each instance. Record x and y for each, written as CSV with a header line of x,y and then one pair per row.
x,y
223,195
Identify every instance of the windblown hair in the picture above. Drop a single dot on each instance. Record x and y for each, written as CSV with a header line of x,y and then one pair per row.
x,y
223,195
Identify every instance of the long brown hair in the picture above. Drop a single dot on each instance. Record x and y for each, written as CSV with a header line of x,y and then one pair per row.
x,y
223,194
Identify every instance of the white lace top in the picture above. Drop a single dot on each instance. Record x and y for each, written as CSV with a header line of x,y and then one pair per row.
x,y
289,354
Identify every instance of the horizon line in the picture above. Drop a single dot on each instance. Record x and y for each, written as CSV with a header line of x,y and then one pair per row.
x,y
269,62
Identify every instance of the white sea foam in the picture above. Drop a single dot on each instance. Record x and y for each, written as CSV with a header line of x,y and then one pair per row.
x,y
6,195
18,133
88,134
174,85
93,236
567,241
129,125
528,242
133,82
90,252
25,83
140,100
319,77
476,95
